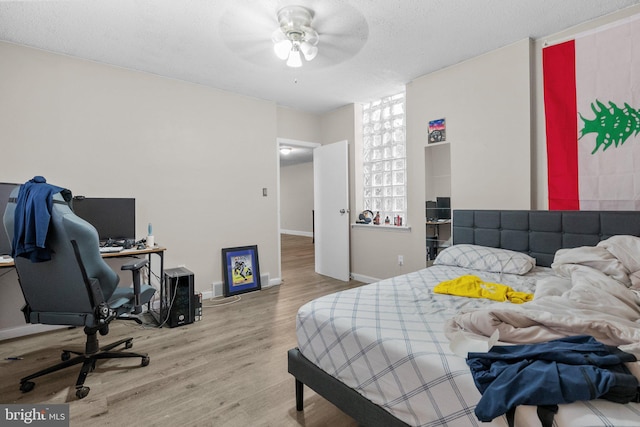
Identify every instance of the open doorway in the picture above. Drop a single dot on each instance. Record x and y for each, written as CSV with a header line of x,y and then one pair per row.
x,y
313,200
295,188
295,204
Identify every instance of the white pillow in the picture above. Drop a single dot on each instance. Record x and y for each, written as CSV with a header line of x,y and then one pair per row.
x,y
627,250
486,259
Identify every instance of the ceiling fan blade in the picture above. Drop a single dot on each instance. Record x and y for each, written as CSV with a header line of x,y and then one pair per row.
x,y
308,50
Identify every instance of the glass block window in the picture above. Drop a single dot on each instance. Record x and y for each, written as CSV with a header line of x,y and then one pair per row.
x,y
384,157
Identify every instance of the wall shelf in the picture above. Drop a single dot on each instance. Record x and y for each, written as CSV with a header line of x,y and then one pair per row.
x,y
435,144
382,227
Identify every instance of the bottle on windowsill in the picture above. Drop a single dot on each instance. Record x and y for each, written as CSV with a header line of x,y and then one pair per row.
x,y
376,219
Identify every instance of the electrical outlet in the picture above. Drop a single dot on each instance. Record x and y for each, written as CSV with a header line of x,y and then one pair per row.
x,y
400,260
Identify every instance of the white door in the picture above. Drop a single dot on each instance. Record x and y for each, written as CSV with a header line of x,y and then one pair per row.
x,y
331,206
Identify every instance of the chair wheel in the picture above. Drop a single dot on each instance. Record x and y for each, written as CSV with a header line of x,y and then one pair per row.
x,y
82,392
145,361
65,356
128,344
27,386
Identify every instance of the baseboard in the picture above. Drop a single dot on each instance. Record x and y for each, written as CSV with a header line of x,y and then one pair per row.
x,y
297,233
216,288
364,279
22,331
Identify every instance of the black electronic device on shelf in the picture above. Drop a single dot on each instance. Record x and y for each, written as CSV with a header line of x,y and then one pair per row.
x,y
443,205
431,210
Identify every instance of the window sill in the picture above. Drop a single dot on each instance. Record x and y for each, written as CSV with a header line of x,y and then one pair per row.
x,y
383,227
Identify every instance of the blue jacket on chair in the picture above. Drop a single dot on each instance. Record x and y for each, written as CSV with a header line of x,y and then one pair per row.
x,y
32,216
560,371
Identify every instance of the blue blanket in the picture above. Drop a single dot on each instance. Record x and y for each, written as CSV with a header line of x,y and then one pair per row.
x,y
560,371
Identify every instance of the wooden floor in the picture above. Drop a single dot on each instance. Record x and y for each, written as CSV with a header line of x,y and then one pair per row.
x,y
229,369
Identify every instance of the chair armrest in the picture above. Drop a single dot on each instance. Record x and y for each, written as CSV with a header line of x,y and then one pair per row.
x,y
135,267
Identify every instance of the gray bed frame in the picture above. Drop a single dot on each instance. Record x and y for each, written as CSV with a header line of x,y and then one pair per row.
x,y
537,233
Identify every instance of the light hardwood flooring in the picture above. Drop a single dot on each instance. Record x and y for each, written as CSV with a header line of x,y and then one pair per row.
x,y
229,369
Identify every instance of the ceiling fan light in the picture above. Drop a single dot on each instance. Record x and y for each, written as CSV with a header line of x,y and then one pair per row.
x,y
309,51
294,60
295,35
282,49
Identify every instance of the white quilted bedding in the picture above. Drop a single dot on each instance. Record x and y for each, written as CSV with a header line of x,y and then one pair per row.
x,y
594,293
386,340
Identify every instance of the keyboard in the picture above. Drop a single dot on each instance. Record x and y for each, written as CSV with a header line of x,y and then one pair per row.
x,y
110,249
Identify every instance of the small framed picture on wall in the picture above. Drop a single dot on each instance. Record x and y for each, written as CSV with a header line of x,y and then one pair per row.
x,y
437,131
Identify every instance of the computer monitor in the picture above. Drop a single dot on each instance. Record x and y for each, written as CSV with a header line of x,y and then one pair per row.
x,y
431,210
114,218
5,190
444,207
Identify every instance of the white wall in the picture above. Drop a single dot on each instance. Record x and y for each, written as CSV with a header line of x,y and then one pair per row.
x,y
437,165
486,105
486,102
298,125
296,203
184,151
296,199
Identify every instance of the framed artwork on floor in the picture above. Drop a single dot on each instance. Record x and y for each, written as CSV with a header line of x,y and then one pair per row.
x,y
241,270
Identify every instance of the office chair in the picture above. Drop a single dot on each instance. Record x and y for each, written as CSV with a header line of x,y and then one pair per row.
x,y
76,287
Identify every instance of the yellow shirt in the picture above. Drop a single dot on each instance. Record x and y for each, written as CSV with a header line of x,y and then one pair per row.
x,y
474,287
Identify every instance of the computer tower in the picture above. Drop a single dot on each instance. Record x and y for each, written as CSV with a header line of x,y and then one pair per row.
x,y
432,247
178,300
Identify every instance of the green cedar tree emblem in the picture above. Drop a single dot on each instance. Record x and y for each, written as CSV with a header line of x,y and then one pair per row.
x,y
613,125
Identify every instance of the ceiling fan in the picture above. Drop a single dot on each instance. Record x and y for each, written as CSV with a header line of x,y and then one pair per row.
x,y
324,33
295,35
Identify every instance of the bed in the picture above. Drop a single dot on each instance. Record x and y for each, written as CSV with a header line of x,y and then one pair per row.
x,y
381,352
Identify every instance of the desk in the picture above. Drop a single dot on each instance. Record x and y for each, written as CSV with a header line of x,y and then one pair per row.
x,y
433,240
8,262
158,250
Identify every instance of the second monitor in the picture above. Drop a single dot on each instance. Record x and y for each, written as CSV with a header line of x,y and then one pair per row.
x,y
114,218
443,206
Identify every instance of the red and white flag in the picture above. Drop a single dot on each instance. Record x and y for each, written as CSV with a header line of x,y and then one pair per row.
x,y
592,115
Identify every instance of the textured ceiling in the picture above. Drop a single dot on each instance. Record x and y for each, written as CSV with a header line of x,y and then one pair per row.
x,y
367,49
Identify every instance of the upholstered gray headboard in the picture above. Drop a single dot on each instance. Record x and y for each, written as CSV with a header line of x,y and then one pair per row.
x,y
541,233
